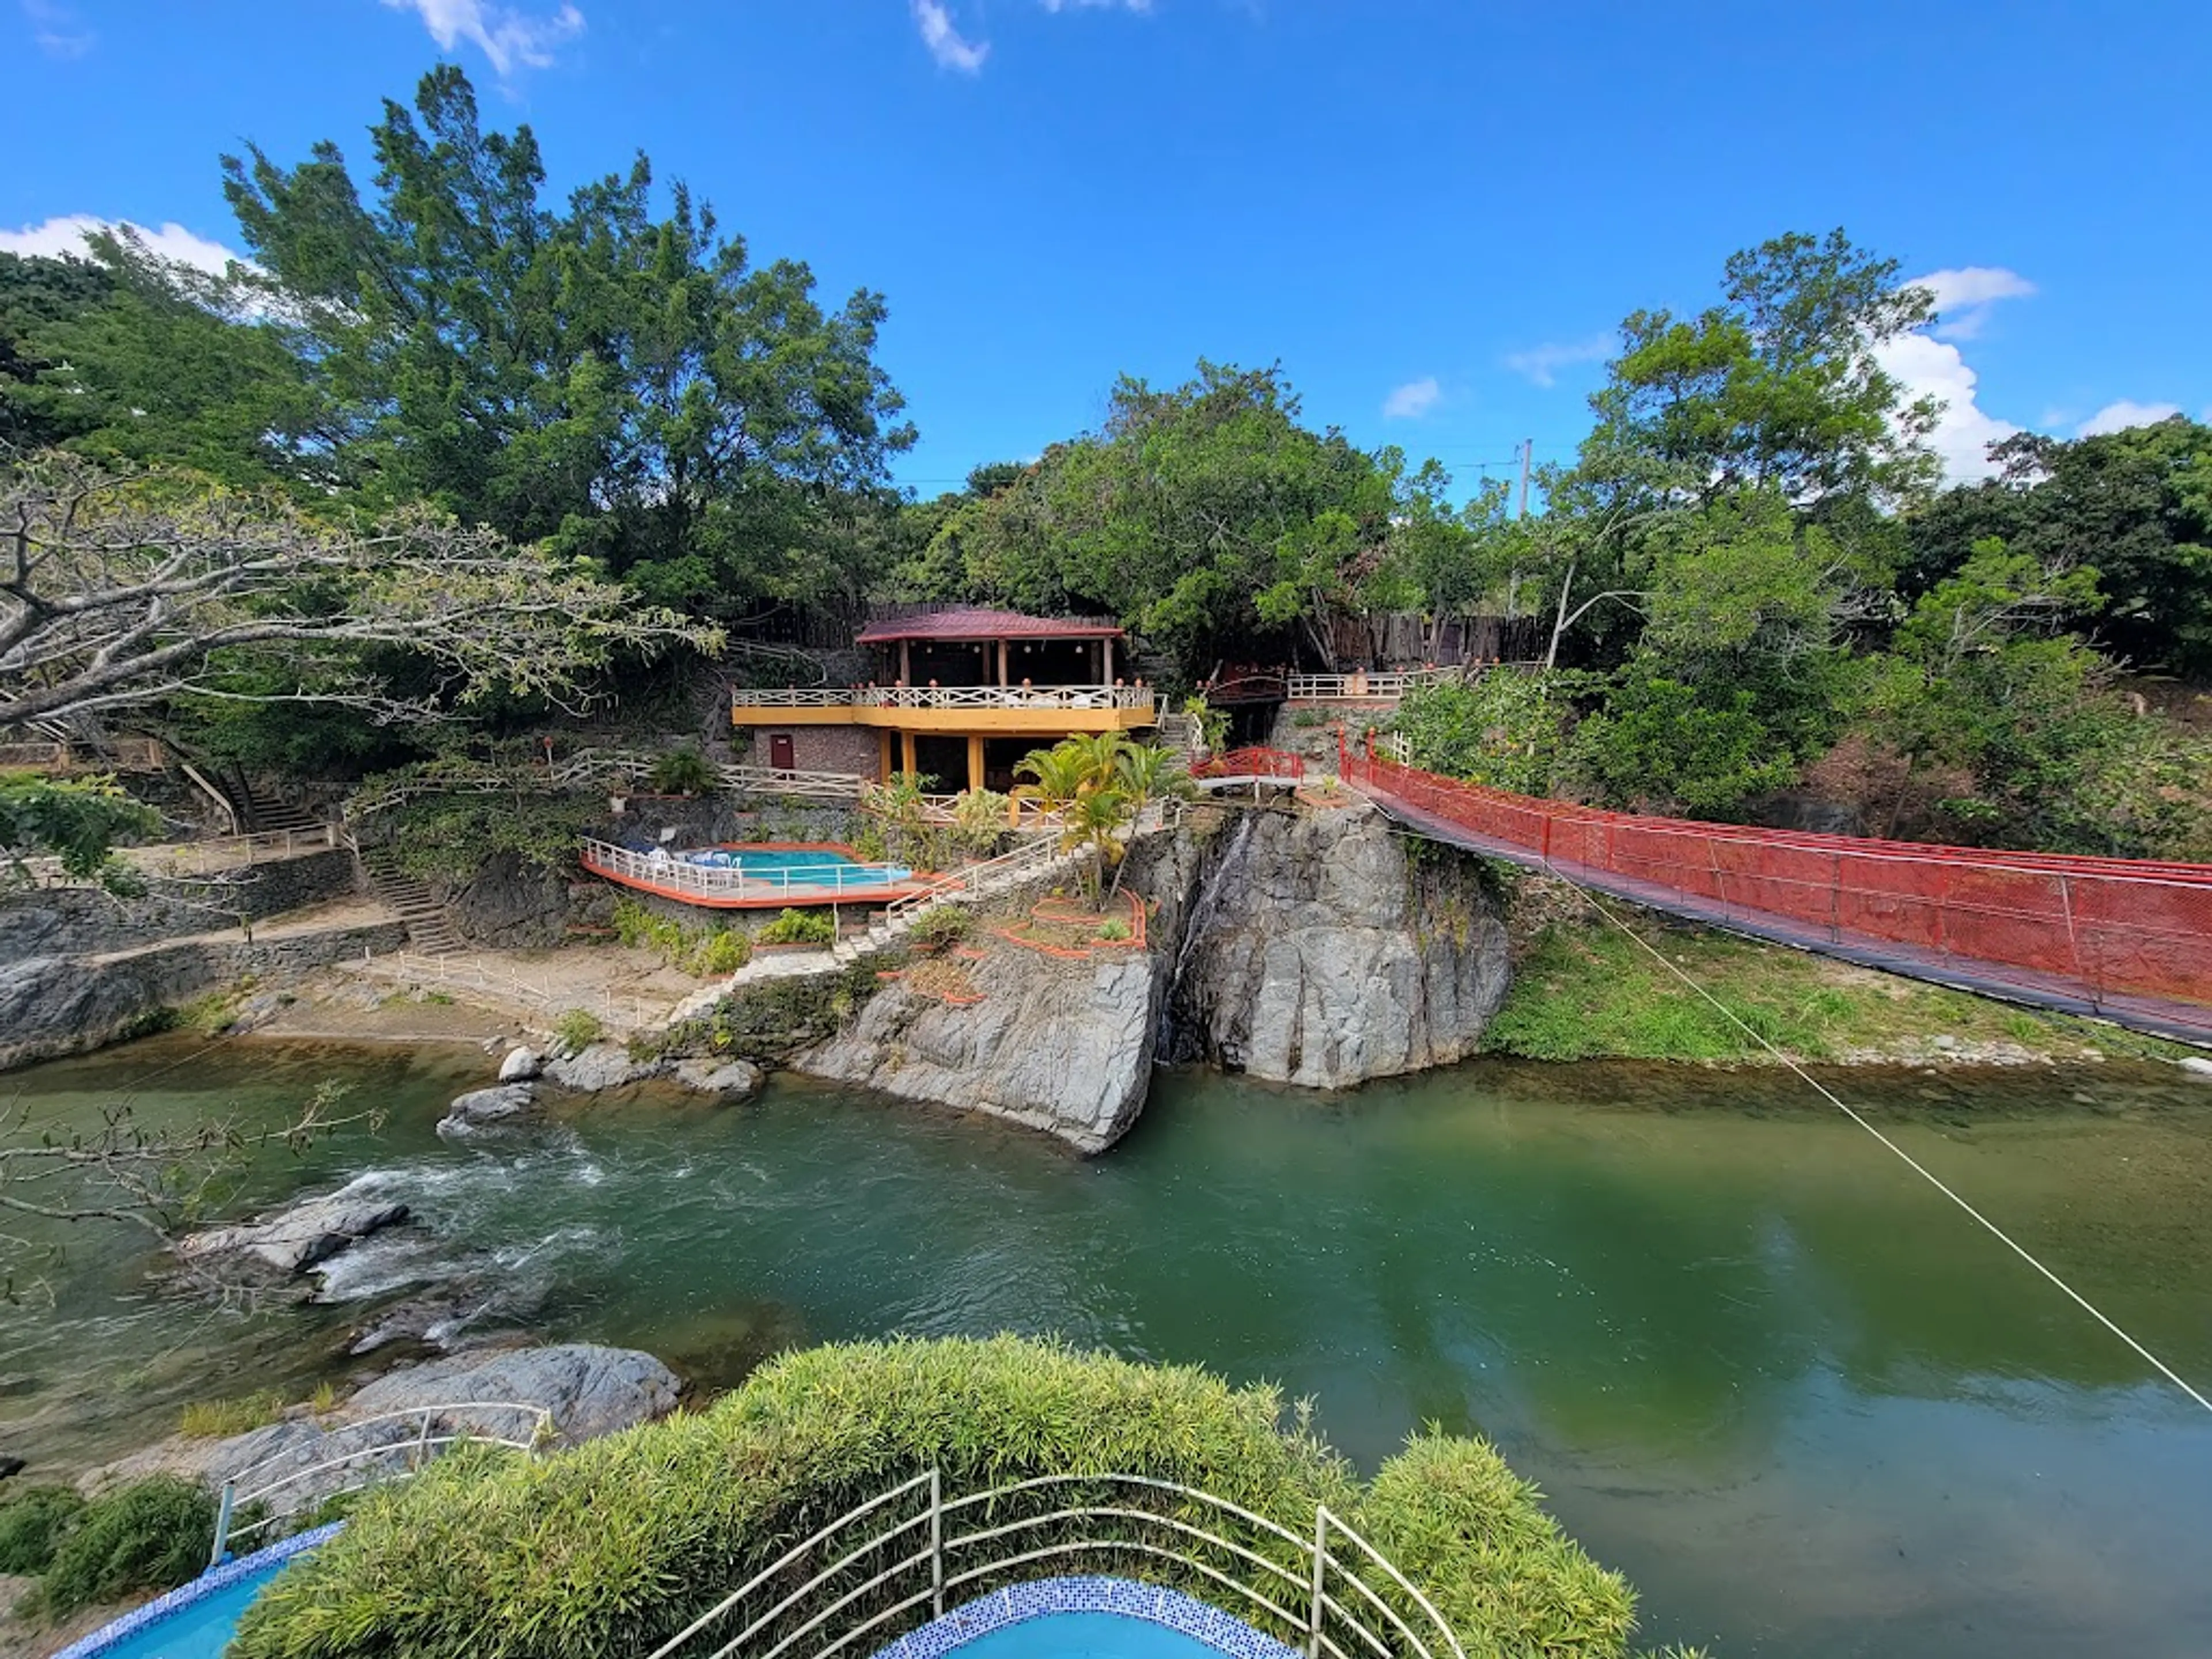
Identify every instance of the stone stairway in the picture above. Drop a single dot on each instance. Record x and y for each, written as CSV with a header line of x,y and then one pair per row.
x,y
428,931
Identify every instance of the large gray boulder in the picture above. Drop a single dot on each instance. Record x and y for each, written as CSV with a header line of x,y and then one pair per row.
x,y
585,1390
1065,1047
602,1065
482,1107
730,1079
521,1065
1318,954
288,1244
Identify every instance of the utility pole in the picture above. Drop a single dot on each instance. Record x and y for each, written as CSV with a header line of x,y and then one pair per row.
x,y
1527,445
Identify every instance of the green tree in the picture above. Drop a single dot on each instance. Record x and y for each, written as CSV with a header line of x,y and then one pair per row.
x,y
623,381
2135,504
77,821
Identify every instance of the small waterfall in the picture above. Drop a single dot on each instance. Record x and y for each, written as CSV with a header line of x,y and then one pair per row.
x,y
1202,917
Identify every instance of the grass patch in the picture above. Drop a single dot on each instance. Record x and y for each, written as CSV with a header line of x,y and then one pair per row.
x,y
218,1419
33,1519
1586,991
704,953
614,1546
577,1028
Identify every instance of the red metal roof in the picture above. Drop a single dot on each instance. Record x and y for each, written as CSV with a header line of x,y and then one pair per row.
x,y
983,625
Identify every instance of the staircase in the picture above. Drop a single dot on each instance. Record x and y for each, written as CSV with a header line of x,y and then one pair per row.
x,y
1039,856
265,814
429,932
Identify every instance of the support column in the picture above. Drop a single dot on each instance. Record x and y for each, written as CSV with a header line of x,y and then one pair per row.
x,y
905,660
889,762
976,763
906,752
1002,664
1106,650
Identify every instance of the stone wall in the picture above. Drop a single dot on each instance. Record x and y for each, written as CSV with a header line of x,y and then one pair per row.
x,y
855,749
64,921
55,1006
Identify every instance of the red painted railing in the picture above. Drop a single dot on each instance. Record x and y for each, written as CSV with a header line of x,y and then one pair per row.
x,y
1252,763
2110,928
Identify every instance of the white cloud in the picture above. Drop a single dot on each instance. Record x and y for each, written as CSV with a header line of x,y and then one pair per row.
x,y
2120,415
1929,367
59,31
1412,400
508,38
1542,363
1964,296
67,235
944,42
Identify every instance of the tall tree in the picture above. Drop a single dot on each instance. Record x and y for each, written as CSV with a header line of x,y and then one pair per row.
x,y
625,383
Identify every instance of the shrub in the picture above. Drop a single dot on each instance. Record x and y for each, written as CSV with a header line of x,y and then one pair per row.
x,y
614,1546
1114,928
577,1028
151,1535
214,1419
1449,1515
799,928
33,1522
683,771
721,952
940,927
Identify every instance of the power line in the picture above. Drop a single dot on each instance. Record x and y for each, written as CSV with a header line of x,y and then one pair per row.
x,y
1911,1161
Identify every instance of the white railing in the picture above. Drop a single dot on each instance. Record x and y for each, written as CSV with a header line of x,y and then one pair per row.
x,y
912,1548
1334,688
1043,698
972,882
772,780
416,1450
448,973
809,884
215,854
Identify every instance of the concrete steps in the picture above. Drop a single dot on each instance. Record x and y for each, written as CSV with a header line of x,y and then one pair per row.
x,y
429,932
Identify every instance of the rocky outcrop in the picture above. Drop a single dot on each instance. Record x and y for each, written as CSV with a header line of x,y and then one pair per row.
x,y
1320,953
286,1245
585,1389
482,1107
1065,1047
521,1065
600,1066
730,1079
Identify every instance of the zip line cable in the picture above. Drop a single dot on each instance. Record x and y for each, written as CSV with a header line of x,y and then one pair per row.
x,y
1911,1161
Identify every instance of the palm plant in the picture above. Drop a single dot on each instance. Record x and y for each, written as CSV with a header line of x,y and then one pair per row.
x,y
1080,778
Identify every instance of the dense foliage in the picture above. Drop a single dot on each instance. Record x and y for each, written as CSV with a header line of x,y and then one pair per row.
x,y
145,1535
1745,573
616,1545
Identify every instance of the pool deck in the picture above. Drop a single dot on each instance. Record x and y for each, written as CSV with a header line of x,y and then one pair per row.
x,y
720,888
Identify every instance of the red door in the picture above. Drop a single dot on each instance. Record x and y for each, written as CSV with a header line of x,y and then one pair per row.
x,y
779,751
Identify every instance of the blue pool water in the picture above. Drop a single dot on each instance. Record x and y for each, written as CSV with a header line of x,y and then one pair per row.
x,y
1084,1636
799,866
200,1631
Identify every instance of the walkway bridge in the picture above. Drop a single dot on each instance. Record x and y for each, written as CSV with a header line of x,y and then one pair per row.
x,y
2124,939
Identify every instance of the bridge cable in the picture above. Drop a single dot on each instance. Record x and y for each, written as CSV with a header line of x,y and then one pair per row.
x,y
1918,1168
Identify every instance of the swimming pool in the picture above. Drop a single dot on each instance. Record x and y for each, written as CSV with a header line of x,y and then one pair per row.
x,y
196,1620
786,868
1087,1617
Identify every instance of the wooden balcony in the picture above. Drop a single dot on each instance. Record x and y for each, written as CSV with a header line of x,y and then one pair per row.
x,y
950,709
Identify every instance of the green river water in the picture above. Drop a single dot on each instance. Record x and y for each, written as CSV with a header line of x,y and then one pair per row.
x,y
1802,1401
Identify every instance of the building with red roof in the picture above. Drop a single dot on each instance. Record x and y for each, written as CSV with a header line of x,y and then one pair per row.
x,y
958,695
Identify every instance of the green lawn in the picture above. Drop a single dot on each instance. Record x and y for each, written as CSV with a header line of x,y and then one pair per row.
x,y
1584,990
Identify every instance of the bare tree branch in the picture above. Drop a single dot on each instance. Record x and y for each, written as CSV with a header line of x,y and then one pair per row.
x,y
118,591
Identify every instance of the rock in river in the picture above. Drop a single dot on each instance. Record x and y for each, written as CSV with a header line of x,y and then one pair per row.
x,y
474,1110
286,1245
601,1066
521,1065
733,1079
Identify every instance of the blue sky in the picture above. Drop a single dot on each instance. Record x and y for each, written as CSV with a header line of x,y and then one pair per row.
x,y
1432,214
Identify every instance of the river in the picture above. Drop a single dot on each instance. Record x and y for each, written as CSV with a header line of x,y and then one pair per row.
x,y
1803,1403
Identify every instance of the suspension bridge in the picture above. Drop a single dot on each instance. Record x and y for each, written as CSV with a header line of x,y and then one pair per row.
x,y
2127,941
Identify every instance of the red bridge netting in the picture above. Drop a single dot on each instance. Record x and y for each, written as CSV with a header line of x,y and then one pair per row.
x,y
2126,937
1252,763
